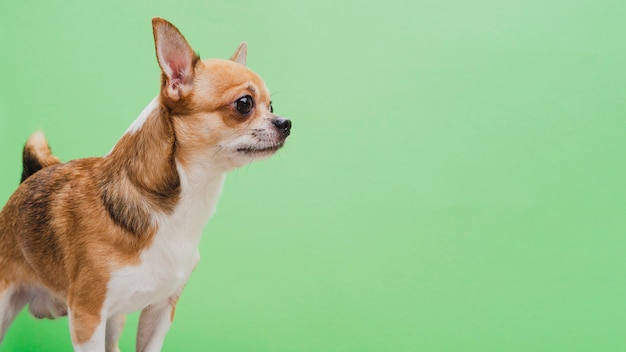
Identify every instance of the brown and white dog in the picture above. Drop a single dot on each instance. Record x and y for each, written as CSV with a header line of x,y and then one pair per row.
x,y
97,238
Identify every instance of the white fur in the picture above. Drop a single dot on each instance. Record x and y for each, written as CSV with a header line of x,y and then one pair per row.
x,y
114,327
166,265
136,125
12,300
154,323
97,341
141,119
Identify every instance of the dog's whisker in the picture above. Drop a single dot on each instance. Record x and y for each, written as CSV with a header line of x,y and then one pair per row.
x,y
218,149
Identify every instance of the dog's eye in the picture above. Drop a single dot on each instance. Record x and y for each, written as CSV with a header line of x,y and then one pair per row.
x,y
271,108
244,104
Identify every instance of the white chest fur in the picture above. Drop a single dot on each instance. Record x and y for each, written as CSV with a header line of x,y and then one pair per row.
x,y
166,265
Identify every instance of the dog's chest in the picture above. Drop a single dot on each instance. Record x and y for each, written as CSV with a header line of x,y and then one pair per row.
x,y
163,270
168,262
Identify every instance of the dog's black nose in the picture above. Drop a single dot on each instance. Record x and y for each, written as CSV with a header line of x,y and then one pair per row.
x,y
283,125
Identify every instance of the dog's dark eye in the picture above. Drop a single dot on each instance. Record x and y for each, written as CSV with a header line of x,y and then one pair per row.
x,y
244,104
271,107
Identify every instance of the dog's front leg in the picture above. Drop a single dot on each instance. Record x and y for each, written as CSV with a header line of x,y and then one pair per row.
x,y
115,324
88,331
154,322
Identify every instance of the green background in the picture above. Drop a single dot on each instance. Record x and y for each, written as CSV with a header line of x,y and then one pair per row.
x,y
455,179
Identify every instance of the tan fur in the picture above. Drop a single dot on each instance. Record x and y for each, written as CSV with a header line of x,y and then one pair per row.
x,y
38,146
70,225
231,82
173,300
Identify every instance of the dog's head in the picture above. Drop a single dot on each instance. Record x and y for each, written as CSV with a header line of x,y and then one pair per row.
x,y
221,110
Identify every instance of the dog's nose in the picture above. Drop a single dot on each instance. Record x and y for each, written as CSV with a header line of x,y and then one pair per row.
x,y
283,125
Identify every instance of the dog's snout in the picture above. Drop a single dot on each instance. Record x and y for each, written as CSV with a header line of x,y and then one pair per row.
x,y
283,125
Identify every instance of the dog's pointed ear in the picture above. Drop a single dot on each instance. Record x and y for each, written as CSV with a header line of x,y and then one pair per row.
x,y
240,54
176,59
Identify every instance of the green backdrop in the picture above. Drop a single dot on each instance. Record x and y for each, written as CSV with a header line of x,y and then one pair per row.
x,y
455,179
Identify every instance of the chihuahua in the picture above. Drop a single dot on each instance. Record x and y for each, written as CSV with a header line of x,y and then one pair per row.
x,y
98,238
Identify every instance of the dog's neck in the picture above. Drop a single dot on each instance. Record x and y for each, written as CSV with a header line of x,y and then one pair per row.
x,y
143,181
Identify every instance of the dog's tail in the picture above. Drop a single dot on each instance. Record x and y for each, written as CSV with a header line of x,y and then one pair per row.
x,y
36,155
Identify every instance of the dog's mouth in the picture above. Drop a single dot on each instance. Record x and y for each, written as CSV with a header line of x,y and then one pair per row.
x,y
267,149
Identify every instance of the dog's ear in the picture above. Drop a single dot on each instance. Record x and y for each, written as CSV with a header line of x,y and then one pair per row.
x,y
240,54
176,59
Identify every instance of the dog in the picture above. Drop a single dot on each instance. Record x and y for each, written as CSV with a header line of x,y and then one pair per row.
x,y
98,238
